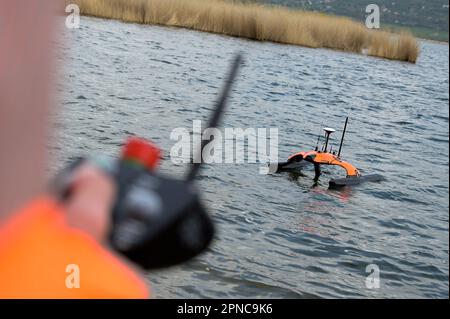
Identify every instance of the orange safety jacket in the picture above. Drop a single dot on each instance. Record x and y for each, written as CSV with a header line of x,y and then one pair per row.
x,y
40,257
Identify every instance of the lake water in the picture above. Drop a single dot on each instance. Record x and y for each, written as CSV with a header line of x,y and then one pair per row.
x,y
279,236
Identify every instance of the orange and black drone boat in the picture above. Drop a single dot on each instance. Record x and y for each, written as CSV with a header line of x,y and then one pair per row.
x,y
324,157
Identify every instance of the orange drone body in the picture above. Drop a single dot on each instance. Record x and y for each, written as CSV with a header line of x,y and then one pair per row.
x,y
325,158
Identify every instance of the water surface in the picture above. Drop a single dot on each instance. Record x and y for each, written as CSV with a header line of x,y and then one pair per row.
x,y
279,236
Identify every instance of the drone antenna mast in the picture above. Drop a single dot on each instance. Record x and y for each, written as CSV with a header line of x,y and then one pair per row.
x,y
318,139
342,139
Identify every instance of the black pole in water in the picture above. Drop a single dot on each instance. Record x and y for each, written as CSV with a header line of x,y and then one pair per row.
x,y
343,135
217,113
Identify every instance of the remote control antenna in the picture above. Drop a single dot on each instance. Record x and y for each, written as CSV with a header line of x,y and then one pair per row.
x,y
218,112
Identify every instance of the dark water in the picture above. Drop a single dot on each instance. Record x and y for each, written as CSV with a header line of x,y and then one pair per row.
x,y
278,235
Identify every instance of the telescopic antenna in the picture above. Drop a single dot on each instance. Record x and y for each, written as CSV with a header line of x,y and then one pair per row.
x,y
318,138
218,112
343,135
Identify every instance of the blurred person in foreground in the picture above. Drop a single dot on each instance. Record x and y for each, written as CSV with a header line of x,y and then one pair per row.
x,y
41,239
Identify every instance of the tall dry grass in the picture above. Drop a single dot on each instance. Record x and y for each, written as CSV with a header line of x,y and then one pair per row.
x,y
259,22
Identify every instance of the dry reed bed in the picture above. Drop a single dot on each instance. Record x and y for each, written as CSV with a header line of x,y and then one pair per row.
x,y
259,22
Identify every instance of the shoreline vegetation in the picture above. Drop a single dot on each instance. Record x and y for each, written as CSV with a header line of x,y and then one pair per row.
x,y
259,22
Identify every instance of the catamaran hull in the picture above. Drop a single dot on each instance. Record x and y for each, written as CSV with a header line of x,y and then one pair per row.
x,y
334,183
351,181
291,166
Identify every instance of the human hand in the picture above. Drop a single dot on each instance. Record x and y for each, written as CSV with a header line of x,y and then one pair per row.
x,y
91,201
